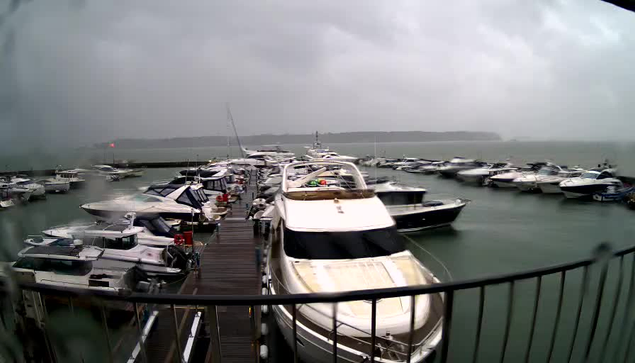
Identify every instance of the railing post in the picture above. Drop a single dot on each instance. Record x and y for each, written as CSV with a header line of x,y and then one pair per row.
x,y
295,333
534,315
142,343
627,310
106,332
616,300
177,335
413,309
563,276
583,290
211,314
603,255
447,321
479,323
335,332
373,329
510,310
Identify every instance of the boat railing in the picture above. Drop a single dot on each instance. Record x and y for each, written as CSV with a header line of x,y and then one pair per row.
x,y
577,311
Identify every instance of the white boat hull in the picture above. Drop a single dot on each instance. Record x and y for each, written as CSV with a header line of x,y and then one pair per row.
x,y
503,184
526,187
58,187
313,347
550,188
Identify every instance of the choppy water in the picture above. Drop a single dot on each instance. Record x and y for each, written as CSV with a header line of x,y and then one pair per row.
x,y
499,231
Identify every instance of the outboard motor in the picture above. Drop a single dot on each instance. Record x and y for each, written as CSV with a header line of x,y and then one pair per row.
x,y
138,280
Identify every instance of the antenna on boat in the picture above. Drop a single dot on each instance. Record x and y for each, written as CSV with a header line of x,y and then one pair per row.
x,y
231,119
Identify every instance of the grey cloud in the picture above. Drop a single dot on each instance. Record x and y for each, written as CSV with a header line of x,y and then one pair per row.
x,y
88,71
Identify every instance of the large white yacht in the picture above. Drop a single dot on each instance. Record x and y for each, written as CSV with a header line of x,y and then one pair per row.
x,y
317,151
184,202
35,190
589,183
269,150
333,235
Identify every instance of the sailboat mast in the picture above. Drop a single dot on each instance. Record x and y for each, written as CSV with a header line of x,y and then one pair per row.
x,y
231,119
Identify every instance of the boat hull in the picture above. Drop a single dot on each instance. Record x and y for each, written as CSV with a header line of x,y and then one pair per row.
x,y
57,187
109,215
527,186
313,347
503,183
472,178
550,188
427,217
581,191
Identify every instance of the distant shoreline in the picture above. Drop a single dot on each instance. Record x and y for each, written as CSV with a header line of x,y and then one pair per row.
x,y
307,139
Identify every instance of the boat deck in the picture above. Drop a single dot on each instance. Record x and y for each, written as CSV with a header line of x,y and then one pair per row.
x,y
228,267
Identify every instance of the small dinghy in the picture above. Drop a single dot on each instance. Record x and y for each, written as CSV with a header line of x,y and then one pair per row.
x,y
613,194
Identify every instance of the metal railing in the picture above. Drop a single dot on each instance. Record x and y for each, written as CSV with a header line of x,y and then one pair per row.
x,y
576,311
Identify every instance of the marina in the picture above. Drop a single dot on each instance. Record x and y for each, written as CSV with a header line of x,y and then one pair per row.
x,y
216,311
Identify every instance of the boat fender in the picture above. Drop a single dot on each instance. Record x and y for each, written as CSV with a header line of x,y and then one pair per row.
x,y
264,352
264,291
264,309
264,281
264,329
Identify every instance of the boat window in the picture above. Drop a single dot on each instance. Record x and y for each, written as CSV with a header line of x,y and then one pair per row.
x,y
342,245
257,157
188,199
124,243
400,198
605,175
64,267
590,175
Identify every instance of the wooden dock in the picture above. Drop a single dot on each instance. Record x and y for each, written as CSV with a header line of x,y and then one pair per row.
x,y
228,267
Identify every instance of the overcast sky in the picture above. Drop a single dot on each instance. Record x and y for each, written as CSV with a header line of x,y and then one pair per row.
x,y
74,71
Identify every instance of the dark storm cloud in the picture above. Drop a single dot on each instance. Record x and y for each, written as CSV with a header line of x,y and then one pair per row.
x,y
84,71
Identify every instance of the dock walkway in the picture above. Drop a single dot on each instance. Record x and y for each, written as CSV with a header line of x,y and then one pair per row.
x,y
228,267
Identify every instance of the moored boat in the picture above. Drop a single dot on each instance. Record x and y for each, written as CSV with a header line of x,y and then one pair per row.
x,y
329,237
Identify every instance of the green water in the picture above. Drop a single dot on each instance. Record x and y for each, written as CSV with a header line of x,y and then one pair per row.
x,y
499,231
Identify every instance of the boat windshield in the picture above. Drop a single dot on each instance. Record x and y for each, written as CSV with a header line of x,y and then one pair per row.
x,y
547,171
590,175
157,226
342,245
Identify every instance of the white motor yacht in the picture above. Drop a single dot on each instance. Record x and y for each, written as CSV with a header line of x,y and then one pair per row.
x,y
333,237
72,177
529,181
506,180
478,175
76,266
54,185
432,168
185,202
120,244
156,231
589,183
35,190
456,165
411,213
551,184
